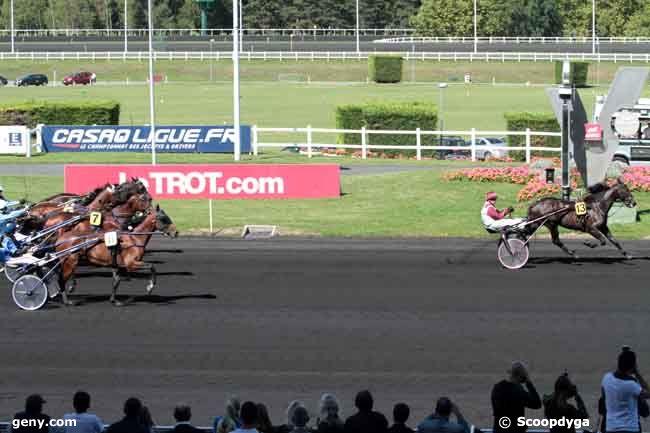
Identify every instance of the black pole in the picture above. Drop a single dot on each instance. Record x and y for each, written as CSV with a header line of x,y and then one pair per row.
x,y
566,181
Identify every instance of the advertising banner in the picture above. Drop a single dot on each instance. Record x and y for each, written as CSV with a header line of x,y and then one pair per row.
x,y
226,181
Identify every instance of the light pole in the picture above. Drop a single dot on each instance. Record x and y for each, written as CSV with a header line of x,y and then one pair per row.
x,y
235,75
241,26
441,88
11,13
126,26
152,110
593,26
475,27
211,58
358,49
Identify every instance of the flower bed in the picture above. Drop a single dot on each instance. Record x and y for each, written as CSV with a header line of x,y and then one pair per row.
x,y
516,175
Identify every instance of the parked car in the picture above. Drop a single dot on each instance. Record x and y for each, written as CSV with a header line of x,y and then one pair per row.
x,y
3,81
485,148
450,140
80,78
32,80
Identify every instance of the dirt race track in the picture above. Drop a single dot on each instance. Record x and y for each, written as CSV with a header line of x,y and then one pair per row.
x,y
277,320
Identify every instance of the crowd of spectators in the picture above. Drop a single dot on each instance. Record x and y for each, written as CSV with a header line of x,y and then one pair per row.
x,y
623,401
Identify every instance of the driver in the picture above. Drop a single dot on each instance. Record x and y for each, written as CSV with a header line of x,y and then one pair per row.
x,y
495,219
8,245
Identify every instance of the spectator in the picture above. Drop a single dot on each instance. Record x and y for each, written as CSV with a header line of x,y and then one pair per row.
x,y
299,419
365,420
557,405
286,428
33,411
85,422
439,421
182,415
131,423
623,396
248,417
146,420
329,420
645,135
401,413
263,421
510,399
230,421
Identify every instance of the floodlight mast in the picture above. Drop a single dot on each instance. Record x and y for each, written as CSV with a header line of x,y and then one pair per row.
x,y
566,95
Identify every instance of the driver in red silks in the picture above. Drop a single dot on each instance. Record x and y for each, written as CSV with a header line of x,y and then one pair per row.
x,y
495,219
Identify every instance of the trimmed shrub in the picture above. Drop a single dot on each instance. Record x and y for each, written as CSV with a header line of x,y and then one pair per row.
x,y
406,116
385,69
540,122
578,74
60,113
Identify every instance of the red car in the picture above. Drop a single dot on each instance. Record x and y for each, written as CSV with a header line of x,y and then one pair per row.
x,y
80,78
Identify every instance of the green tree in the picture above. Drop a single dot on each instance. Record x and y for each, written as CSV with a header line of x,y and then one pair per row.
x,y
401,12
613,15
537,18
576,17
495,17
639,23
444,18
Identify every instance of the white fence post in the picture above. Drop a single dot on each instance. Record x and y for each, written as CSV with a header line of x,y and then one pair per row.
x,y
473,144
418,143
364,143
255,140
309,141
528,145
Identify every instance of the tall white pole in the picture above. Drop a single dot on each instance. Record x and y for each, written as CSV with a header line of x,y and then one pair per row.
x,y
151,89
475,27
126,26
593,26
235,76
358,49
241,26
11,13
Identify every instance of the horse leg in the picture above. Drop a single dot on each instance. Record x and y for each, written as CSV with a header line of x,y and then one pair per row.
x,y
67,272
116,284
610,237
555,237
152,279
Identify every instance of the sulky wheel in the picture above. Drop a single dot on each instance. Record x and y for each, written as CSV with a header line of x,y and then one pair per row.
x,y
13,272
516,257
29,292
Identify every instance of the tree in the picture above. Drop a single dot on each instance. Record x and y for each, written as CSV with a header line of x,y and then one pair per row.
x,y
537,18
576,17
613,15
444,18
495,17
639,23
401,12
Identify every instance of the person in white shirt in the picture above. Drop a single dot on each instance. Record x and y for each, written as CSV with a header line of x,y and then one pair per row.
x,y
248,416
85,422
622,391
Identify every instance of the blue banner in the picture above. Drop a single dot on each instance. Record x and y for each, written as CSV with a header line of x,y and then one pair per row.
x,y
169,139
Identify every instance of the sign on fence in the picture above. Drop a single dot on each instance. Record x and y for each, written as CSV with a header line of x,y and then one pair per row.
x,y
169,139
14,139
227,181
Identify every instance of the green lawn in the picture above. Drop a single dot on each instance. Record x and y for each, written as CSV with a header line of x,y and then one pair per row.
x,y
403,204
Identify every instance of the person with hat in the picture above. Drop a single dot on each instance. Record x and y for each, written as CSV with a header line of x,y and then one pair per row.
x,y
495,219
32,419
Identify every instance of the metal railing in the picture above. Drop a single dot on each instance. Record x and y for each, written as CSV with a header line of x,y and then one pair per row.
x,y
476,150
326,55
513,40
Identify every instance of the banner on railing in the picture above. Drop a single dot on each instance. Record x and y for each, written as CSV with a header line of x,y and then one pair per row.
x,y
227,181
14,139
169,139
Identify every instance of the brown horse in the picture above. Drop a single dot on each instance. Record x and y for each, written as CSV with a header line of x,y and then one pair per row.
x,y
594,222
127,255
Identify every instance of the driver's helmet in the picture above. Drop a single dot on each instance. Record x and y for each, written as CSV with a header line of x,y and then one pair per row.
x,y
8,228
491,196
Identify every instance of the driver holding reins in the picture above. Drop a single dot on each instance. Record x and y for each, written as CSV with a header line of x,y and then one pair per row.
x,y
495,219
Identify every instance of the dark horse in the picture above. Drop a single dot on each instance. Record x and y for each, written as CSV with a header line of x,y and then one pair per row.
x,y
599,202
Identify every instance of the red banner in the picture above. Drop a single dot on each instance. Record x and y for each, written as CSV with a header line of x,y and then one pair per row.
x,y
227,181
593,132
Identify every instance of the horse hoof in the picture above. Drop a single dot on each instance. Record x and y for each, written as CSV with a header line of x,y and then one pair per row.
x,y
70,303
628,256
150,288
118,304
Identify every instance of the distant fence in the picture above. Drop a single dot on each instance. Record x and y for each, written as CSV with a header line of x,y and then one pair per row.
x,y
326,55
513,40
312,147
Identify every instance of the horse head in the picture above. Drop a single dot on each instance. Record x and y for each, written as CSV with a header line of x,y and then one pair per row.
x,y
165,224
624,194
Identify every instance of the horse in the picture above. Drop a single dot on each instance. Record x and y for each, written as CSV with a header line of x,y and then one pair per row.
x,y
126,256
599,202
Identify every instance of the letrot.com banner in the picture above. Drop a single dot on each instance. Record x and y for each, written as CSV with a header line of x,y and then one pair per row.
x,y
228,181
169,139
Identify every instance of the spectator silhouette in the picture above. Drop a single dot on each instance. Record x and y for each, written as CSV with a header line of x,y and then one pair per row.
x,y
84,422
439,421
288,427
230,421
623,396
183,415
33,411
132,421
365,420
329,420
300,419
146,419
510,399
401,413
264,424
248,417
558,406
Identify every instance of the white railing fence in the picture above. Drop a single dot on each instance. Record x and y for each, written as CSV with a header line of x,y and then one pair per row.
x,y
142,56
473,146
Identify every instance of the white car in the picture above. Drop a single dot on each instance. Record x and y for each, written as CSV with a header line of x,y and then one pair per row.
x,y
485,148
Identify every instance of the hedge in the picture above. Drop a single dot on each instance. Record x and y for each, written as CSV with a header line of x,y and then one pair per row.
x,y
407,116
540,122
60,113
578,74
385,69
